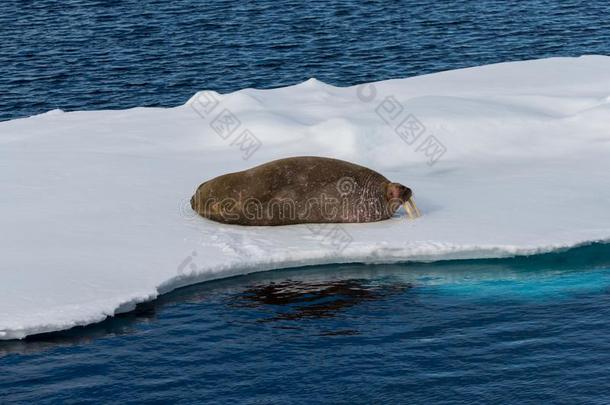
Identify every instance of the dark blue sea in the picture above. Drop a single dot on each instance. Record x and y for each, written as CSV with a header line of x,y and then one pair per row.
x,y
526,330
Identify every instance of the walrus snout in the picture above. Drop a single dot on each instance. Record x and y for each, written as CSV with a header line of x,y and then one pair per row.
x,y
407,194
396,191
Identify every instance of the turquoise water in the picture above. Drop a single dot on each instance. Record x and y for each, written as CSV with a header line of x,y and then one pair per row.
x,y
525,330
516,330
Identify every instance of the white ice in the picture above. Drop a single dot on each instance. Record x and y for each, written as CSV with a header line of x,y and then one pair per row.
x,y
94,205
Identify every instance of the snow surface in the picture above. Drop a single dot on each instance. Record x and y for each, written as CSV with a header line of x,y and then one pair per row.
x,y
94,206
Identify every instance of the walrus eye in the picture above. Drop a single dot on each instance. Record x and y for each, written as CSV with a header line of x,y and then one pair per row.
x,y
411,209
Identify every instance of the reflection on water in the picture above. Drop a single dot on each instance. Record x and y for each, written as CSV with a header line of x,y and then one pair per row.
x,y
315,299
121,324
287,298
473,330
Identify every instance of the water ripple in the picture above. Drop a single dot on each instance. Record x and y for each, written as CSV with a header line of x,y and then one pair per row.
x,y
78,54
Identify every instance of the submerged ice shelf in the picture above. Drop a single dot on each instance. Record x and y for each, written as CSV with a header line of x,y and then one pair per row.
x,y
507,159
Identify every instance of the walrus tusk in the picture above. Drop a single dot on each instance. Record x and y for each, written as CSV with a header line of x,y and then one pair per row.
x,y
417,212
411,209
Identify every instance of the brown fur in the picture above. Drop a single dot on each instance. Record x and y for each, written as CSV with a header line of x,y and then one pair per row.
x,y
299,190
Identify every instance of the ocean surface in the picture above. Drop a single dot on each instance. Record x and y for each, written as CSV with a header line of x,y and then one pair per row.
x,y
522,330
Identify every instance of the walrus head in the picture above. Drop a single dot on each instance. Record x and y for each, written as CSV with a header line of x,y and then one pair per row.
x,y
404,195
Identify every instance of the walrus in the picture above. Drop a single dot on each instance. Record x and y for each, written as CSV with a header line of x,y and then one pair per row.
x,y
299,190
